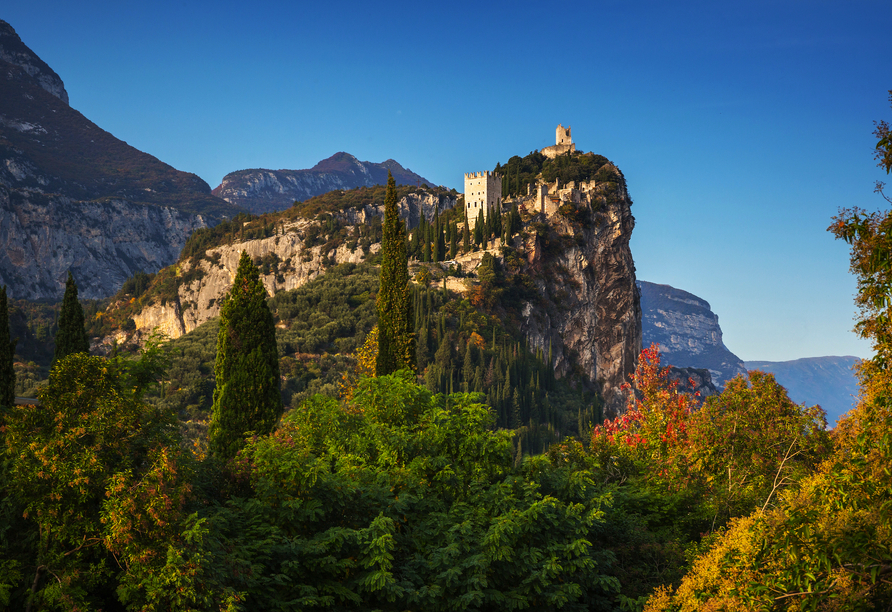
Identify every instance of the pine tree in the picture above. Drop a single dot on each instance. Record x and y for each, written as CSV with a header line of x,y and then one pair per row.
x,y
396,342
7,353
71,336
247,397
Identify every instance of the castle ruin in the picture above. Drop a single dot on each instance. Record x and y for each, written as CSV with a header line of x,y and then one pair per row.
x,y
483,191
563,143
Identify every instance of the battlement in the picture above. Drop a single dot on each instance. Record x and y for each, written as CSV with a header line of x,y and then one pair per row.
x,y
484,174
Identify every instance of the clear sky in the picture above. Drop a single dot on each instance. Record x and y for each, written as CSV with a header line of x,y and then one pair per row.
x,y
741,127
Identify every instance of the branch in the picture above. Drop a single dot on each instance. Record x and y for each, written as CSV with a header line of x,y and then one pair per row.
x,y
780,469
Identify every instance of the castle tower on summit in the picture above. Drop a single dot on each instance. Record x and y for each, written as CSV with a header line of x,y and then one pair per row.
x,y
483,191
563,143
562,135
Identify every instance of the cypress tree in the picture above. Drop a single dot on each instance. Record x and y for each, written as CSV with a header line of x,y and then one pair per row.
x,y
436,252
71,336
453,240
7,352
466,235
247,397
396,342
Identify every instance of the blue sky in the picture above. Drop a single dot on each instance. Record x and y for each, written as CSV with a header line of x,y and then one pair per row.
x,y
741,128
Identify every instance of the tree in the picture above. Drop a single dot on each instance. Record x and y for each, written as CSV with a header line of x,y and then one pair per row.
x,y
71,337
7,353
826,544
97,472
396,342
247,396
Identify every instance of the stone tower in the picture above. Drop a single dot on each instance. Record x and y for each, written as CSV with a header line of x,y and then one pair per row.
x,y
563,143
562,135
483,191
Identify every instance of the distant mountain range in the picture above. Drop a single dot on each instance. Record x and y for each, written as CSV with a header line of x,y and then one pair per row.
x,y
260,190
828,381
689,336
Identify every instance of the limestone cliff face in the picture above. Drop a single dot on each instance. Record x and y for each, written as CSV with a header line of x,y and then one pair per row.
x,y
296,264
200,300
72,196
590,319
687,331
103,243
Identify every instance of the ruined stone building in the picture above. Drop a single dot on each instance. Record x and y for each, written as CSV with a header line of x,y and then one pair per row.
x,y
563,143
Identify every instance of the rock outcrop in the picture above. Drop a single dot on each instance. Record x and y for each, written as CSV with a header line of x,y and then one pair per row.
x,y
296,263
589,317
687,331
72,196
261,190
103,243
15,52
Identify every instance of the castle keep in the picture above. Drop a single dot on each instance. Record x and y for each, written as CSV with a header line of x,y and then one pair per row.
x,y
563,143
483,191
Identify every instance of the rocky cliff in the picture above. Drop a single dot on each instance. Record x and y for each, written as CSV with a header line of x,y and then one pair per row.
x,y
588,315
72,196
260,190
581,304
687,331
102,242
292,259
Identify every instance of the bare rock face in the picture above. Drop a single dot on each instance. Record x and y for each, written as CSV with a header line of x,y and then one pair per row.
x,y
412,208
591,320
201,299
103,243
687,331
296,265
14,51
72,196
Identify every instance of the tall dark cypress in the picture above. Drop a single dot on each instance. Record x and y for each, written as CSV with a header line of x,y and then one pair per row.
x,y
247,397
396,342
71,337
7,352
466,235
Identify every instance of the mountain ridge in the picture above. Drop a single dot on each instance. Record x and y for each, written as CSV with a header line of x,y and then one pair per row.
x,y
74,197
262,190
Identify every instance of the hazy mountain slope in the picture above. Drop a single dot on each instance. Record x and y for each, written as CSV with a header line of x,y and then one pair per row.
x,y
687,331
260,190
74,197
828,381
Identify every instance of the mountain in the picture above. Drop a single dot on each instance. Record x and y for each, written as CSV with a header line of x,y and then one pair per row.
x,y
687,331
72,196
828,381
565,281
260,190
